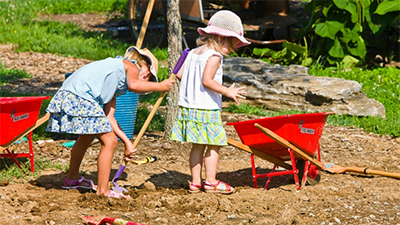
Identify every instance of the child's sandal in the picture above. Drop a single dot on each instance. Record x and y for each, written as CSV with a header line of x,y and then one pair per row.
x,y
79,184
224,188
114,194
196,188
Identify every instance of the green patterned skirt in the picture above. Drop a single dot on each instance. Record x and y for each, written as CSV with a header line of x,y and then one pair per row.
x,y
199,126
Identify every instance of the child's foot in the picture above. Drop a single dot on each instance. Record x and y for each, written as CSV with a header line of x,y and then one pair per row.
x,y
114,194
220,187
194,188
81,183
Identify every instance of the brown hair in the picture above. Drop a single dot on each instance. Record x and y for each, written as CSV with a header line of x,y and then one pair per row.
x,y
215,42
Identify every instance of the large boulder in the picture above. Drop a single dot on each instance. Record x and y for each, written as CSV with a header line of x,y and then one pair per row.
x,y
291,88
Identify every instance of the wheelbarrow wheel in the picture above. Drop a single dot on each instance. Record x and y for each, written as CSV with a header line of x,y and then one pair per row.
x,y
313,175
156,32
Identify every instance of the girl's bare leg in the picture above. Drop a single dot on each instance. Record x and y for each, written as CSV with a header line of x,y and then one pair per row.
x,y
108,143
77,153
196,162
211,163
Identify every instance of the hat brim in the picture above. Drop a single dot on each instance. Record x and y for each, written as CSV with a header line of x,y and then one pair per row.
x,y
224,33
152,69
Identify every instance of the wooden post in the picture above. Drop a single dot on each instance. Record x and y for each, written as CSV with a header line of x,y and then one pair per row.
x,y
174,52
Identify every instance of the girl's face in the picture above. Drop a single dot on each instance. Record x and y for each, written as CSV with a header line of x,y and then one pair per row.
x,y
145,74
225,48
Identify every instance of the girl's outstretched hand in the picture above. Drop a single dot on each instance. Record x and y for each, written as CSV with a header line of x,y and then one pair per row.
x,y
166,84
235,93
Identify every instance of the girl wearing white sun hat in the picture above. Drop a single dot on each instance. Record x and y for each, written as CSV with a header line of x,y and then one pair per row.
x,y
200,99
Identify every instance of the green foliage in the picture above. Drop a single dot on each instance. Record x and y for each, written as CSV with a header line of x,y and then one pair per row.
x,y
339,30
381,84
19,25
11,75
291,53
157,122
10,171
257,110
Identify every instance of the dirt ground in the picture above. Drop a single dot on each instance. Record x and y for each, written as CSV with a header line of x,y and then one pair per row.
x,y
159,189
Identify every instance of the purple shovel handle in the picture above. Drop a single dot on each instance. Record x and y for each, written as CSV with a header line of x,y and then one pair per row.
x,y
181,60
118,174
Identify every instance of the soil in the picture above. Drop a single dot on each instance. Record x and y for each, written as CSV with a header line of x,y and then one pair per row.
x,y
159,190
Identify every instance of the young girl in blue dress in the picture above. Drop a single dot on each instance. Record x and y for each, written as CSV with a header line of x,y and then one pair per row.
x,y
200,99
85,105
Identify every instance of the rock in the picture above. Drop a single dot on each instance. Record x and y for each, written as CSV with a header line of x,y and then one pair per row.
x,y
291,88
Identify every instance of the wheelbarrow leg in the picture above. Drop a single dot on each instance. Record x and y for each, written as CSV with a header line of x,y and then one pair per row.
x,y
295,170
10,154
31,152
253,167
269,178
305,174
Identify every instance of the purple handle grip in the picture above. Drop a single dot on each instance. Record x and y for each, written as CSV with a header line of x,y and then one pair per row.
x,y
119,172
181,60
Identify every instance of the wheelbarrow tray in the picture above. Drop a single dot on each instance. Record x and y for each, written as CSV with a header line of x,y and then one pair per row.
x,y
19,117
18,114
301,130
293,138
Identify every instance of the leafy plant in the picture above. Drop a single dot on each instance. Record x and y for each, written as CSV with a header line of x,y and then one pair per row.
x,y
337,29
291,53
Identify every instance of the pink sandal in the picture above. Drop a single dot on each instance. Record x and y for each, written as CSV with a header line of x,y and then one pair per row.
x,y
114,194
224,188
194,186
77,184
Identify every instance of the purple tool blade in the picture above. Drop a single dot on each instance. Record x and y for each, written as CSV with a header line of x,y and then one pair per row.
x,y
114,180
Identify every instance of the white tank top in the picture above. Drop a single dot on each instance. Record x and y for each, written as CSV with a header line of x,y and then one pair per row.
x,y
192,93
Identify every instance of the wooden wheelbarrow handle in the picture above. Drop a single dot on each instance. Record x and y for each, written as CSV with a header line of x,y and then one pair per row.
x,y
329,167
287,144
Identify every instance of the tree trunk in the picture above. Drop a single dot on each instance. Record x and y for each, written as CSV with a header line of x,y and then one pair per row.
x,y
174,52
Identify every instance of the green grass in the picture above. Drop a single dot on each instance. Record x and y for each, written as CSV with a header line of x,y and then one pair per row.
x,y
10,171
11,75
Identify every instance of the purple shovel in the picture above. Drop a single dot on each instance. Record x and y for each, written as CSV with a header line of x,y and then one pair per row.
x,y
122,167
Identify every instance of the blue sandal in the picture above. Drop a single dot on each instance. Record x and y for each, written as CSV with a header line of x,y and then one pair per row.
x,y
77,184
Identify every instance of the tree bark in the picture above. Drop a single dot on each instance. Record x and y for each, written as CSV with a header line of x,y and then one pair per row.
x,y
174,52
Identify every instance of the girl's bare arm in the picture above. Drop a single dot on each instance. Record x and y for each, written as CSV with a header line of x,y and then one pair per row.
x,y
208,81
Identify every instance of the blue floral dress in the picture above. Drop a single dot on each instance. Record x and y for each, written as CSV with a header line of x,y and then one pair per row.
x,y
75,115
77,106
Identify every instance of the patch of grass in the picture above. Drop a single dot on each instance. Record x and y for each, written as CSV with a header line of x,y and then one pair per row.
x,y
157,123
11,75
381,84
10,171
19,25
249,109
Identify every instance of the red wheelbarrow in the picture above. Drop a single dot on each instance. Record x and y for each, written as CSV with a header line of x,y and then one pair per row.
x,y
293,138
19,117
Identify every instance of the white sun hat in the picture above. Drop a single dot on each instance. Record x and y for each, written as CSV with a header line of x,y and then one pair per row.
x,y
227,24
